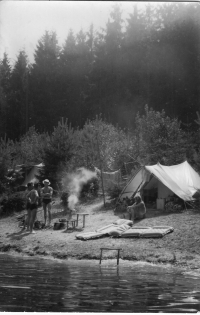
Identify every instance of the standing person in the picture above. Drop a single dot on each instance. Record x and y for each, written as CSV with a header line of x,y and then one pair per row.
x,y
46,193
39,193
34,197
28,203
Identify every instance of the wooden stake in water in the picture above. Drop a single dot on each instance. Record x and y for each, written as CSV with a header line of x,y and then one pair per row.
x,y
105,248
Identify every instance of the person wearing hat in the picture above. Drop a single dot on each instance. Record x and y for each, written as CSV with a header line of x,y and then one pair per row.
x,y
138,209
46,194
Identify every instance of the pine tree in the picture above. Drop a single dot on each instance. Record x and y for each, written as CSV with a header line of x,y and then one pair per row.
x,y
45,82
76,60
5,94
18,111
106,73
159,139
58,153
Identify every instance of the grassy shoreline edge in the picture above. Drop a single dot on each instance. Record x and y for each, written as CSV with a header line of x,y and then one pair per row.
x,y
106,263
179,249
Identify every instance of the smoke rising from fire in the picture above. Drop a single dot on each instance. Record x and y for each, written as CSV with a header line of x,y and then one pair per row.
x,y
74,182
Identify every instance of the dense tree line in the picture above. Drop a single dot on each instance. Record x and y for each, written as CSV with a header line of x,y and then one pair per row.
x,y
151,58
155,138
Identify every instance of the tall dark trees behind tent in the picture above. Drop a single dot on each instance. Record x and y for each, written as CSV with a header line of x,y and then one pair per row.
x,y
153,58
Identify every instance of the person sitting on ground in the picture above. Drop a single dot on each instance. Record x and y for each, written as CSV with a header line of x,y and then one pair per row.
x,y
129,201
28,203
33,199
125,203
138,209
46,193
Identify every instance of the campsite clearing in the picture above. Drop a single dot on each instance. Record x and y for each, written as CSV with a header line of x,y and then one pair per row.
x,y
180,248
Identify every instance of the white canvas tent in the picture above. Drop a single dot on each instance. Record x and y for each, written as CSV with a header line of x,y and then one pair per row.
x,y
31,176
181,180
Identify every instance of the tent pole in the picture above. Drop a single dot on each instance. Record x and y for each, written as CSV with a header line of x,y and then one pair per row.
x,y
125,169
185,205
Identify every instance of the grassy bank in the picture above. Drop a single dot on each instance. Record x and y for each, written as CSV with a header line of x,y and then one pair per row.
x,y
180,248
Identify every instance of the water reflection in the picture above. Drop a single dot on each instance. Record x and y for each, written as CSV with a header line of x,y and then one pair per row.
x,y
40,285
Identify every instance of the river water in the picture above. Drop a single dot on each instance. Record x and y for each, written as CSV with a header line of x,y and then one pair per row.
x,y
31,284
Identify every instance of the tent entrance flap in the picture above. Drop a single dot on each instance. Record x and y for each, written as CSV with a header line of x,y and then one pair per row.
x,y
133,186
155,189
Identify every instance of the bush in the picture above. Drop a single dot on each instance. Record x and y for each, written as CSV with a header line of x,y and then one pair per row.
x,y
114,191
14,202
3,187
91,188
159,138
64,198
58,153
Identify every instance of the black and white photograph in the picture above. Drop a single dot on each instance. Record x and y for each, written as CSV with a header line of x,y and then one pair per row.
x,y
100,156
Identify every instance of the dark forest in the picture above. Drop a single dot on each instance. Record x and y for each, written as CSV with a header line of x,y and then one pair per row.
x,y
115,72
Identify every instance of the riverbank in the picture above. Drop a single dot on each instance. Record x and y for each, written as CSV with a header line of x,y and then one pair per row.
x,y
180,248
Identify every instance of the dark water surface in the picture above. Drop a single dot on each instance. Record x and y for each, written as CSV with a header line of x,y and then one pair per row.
x,y
30,284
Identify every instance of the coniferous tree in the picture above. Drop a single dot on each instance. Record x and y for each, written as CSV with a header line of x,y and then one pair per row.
x,y
159,139
58,153
77,58
19,103
5,93
106,72
68,58
45,82
153,60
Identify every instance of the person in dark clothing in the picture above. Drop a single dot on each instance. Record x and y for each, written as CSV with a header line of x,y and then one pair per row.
x,y
27,216
46,194
33,197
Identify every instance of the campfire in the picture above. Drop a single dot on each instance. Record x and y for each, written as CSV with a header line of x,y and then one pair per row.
x,y
73,184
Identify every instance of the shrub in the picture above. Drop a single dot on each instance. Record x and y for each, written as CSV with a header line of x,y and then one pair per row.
x,y
64,198
159,138
91,188
3,187
14,202
114,191
32,146
58,153
100,140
